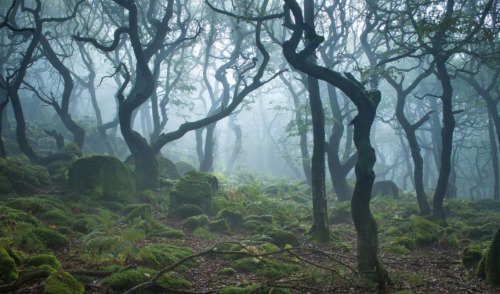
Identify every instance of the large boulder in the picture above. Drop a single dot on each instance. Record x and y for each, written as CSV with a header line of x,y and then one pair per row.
x,y
195,188
102,177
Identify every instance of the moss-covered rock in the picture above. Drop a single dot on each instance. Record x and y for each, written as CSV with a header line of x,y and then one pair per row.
x,y
188,210
52,239
102,177
61,282
22,176
47,259
158,256
229,271
282,238
194,222
36,205
406,242
489,266
196,188
183,167
425,229
18,256
125,280
57,217
233,217
471,256
8,270
219,226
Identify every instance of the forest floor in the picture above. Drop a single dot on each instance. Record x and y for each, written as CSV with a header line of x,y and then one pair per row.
x,y
427,269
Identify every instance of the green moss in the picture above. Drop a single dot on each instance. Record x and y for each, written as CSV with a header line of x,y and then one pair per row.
x,y
143,212
406,242
102,177
489,266
203,233
195,222
18,256
282,238
8,270
47,259
61,282
229,271
268,247
123,281
196,188
158,256
238,290
395,249
247,264
57,217
188,210
51,238
5,187
233,217
449,238
24,177
471,255
84,225
394,232
219,226
35,205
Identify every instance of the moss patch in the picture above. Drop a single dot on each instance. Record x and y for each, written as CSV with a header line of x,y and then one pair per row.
x,y
123,281
47,259
194,222
102,177
8,270
196,188
61,282
158,256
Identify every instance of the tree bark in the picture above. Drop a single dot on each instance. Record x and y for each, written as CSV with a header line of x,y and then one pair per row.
x,y
366,102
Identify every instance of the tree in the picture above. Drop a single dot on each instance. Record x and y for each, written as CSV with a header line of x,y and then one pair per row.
x,y
366,102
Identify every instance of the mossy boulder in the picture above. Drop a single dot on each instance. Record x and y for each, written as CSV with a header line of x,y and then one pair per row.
x,y
36,205
188,210
61,282
183,167
194,222
233,217
8,270
158,256
282,238
52,239
22,176
426,230
219,226
489,266
229,271
195,188
57,217
44,259
102,177
471,256
123,281
406,242
167,168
